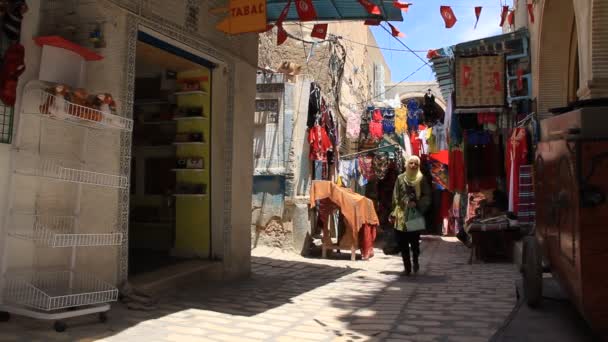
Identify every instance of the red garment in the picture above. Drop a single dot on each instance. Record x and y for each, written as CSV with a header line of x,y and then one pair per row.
x,y
367,236
375,130
517,155
416,144
12,68
456,171
319,143
366,167
377,116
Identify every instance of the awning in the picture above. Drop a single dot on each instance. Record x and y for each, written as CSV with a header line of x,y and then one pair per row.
x,y
336,10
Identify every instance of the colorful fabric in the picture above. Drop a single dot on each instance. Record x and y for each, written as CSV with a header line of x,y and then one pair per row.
x,y
366,167
517,155
348,171
380,165
388,121
456,171
319,143
375,130
400,120
413,115
439,137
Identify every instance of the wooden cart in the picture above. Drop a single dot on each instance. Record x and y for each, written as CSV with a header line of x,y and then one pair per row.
x,y
571,235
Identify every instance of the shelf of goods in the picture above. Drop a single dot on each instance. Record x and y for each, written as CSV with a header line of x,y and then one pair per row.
x,y
67,171
57,290
41,102
57,232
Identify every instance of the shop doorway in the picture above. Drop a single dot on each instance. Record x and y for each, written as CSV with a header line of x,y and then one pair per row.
x,y
170,174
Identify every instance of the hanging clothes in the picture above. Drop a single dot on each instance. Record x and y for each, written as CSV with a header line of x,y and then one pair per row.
x,y
413,115
431,140
380,165
422,137
353,125
456,170
375,130
416,144
401,120
440,138
388,121
314,105
348,171
366,167
431,115
517,155
319,143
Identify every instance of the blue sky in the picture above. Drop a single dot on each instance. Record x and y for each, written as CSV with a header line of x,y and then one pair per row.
x,y
425,29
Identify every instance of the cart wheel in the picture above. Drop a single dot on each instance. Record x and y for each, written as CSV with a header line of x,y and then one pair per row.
x,y
532,272
4,316
60,326
103,317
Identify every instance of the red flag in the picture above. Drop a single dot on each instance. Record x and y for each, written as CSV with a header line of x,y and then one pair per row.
x,y
520,79
448,16
531,12
467,75
511,18
395,32
283,14
477,14
370,7
319,31
372,22
503,15
432,54
281,35
403,7
306,10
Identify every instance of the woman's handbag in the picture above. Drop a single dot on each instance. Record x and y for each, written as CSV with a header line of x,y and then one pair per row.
x,y
415,221
391,247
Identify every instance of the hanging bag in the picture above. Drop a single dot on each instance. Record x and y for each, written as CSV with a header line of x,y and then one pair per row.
x,y
415,221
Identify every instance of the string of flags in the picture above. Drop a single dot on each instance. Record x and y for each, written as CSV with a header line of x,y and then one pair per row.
x,y
306,12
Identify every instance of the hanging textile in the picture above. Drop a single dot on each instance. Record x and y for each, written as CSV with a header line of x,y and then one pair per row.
x,y
413,115
388,121
348,171
314,105
481,161
400,120
319,143
366,167
456,170
380,165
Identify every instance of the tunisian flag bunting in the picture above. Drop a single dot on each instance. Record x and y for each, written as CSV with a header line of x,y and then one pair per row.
x,y
283,15
477,14
503,15
370,7
281,34
306,11
448,16
511,18
319,31
395,32
372,22
401,6
531,12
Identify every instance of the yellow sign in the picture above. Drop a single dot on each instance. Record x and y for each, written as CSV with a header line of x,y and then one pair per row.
x,y
244,16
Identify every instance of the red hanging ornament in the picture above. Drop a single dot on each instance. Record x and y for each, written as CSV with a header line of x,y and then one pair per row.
x,y
531,12
448,16
370,7
319,31
306,10
503,15
283,14
511,18
372,22
403,7
395,32
477,14
281,35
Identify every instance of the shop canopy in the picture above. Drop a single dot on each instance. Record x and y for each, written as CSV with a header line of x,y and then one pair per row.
x,y
336,10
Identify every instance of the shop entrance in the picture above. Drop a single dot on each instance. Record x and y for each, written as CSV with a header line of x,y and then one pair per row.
x,y
169,201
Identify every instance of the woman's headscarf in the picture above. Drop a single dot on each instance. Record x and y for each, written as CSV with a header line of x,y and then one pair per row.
x,y
413,178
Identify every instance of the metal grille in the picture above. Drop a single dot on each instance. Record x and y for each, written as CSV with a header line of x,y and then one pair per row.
x,y
6,124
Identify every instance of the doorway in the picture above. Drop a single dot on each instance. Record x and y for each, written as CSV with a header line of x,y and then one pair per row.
x,y
170,173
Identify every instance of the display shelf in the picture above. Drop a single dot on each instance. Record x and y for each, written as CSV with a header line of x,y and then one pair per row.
x,y
190,143
48,105
192,92
56,290
190,170
57,232
68,172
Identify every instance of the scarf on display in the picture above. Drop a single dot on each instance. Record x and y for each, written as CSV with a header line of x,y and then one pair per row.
x,y
414,178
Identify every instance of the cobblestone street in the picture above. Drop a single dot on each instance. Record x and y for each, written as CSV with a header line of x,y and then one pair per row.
x,y
291,298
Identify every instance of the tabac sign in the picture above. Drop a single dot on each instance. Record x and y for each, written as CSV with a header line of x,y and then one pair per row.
x,y
244,16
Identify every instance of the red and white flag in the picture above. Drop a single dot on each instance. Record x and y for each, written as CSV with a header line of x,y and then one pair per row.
x,y
511,18
503,15
372,22
448,16
283,14
306,10
281,34
531,12
477,14
319,31
395,32
370,7
401,6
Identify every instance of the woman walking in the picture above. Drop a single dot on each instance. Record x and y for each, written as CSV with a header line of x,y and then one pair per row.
x,y
411,199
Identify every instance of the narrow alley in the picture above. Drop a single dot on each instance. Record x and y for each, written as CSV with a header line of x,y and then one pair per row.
x,y
291,298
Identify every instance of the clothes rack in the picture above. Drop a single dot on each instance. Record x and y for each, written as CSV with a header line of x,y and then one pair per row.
x,y
370,150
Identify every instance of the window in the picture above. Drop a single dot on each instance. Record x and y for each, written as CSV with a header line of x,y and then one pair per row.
x,y
6,124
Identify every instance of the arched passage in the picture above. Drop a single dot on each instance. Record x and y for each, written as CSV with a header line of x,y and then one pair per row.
x,y
557,58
